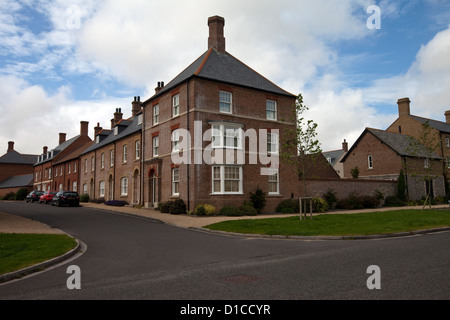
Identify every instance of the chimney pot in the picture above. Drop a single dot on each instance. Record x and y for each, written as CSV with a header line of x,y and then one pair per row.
x,y
216,39
404,107
10,146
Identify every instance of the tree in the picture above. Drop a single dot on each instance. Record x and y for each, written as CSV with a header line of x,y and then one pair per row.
x,y
401,186
424,147
299,145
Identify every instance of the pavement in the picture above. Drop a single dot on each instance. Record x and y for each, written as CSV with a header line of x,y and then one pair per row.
x,y
15,224
10,223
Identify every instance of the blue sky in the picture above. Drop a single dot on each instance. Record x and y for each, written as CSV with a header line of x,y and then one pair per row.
x,y
66,61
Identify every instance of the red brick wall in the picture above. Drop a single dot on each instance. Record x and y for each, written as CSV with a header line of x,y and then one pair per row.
x,y
385,161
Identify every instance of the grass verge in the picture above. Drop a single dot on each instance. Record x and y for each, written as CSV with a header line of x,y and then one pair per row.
x,y
341,224
18,251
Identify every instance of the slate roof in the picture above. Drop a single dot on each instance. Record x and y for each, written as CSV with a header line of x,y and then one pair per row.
x,y
225,68
17,181
400,143
54,152
18,158
126,128
438,125
335,155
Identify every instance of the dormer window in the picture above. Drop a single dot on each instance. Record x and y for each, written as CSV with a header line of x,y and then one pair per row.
x,y
116,130
97,139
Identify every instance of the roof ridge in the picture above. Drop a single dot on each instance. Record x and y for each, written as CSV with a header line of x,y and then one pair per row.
x,y
203,62
259,74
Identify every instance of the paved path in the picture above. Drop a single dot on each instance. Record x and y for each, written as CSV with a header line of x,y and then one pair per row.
x,y
15,224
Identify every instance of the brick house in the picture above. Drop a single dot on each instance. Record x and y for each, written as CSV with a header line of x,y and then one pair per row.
x,y
379,154
409,124
211,108
111,165
16,170
51,170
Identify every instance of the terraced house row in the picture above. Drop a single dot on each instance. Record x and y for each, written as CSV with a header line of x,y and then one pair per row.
x,y
212,135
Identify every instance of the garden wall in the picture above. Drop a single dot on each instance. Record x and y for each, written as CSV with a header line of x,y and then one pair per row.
x,y
345,187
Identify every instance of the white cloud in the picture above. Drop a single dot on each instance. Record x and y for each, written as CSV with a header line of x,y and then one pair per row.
x,y
138,43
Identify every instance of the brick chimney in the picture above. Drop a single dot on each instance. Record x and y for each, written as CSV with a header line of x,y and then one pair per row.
x,y
159,86
62,138
44,150
136,106
10,146
97,129
345,145
117,117
404,107
84,126
216,39
447,116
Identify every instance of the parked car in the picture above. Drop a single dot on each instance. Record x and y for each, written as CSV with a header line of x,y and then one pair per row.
x,y
34,196
70,198
47,197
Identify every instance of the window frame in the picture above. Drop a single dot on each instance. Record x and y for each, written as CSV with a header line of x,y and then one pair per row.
x,y
175,105
275,111
276,182
156,114
137,149
124,154
175,143
224,102
270,143
124,186
222,137
222,180
155,146
370,161
175,183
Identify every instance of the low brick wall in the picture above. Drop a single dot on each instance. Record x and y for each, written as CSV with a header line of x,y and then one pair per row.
x,y
344,187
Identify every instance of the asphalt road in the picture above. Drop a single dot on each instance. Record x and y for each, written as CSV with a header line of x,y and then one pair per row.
x,y
134,258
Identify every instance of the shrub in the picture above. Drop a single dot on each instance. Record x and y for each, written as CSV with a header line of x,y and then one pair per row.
x,y
200,210
330,198
355,173
164,207
177,207
320,205
288,206
393,201
9,196
247,209
230,211
355,201
116,203
22,194
205,210
258,200
84,198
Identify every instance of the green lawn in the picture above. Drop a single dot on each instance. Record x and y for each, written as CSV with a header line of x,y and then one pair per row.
x,y
18,251
341,224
